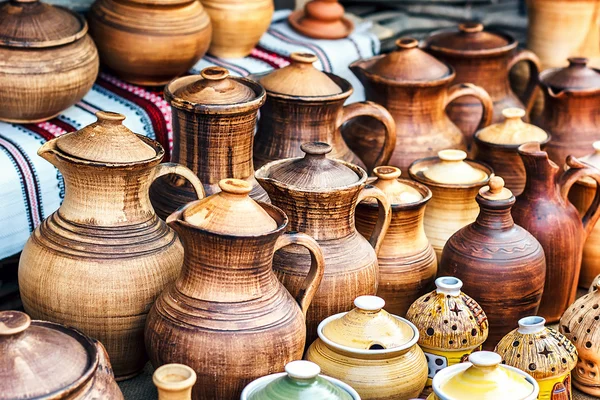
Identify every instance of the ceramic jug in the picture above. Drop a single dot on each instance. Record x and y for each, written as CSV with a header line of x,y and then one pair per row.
x,y
214,119
305,105
101,260
174,382
320,196
321,19
415,88
227,316
407,262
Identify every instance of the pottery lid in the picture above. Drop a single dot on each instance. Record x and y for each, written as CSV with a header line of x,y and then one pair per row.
x,y
106,140
594,158
396,191
41,358
214,86
300,78
230,212
495,190
468,37
452,169
31,23
577,76
512,130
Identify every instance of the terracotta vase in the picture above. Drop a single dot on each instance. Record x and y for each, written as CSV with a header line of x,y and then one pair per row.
x,y
101,260
42,360
407,263
484,58
174,382
454,182
320,196
237,25
305,105
214,119
48,62
150,42
321,19
227,316
371,350
545,211
415,88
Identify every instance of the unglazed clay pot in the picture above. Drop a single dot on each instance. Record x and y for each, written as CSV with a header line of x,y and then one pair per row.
x,y
543,353
320,196
454,182
546,212
305,105
374,352
43,360
321,19
48,62
407,263
174,382
102,259
150,42
415,88
227,316
214,118
451,326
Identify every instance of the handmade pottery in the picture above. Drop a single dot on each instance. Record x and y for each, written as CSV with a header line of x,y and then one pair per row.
x,y
594,284
415,88
214,118
546,212
45,360
305,105
451,325
501,263
484,58
543,353
227,316
498,143
321,19
454,182
374,352
174,382
320,196
101,260
483,377
300,381
150,42
407,263
48,62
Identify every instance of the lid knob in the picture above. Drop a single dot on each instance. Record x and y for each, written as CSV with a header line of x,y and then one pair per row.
x,y
577,62
496,185
448,285
235,186
485,359
214,73
513,113
174,377
470,27
109,117
407,43
316,148
452,155
529,325
13,322
369,303
306,59
301,369
387,172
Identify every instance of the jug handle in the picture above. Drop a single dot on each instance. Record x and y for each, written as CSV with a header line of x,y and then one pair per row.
x,y
535,66
317,266
384,217
468,89
374,110
178,169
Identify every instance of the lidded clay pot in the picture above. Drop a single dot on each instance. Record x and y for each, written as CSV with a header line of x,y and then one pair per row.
x,y
454,182
48,62
214,118
371,350
543,353
306,105
45,360
451,325
174,382
321,19
407,263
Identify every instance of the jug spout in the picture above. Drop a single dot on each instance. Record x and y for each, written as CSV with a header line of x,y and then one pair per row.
x,y
542,173
48,152
359,71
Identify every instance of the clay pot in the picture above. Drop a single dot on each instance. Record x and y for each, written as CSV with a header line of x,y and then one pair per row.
x,y
545,211
101,260
543,353
454,182
237,25
321,19
48,62
320,196
415,88
174,382
484,58
374,352
498,143
407,263
45,360
214,118
227,316
150,42
304,105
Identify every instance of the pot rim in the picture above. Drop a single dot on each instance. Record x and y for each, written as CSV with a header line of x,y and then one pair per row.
x,y
477,140
512,44
424,190
344,84
424,180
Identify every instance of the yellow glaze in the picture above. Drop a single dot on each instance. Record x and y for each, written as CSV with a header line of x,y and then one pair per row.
x,y
449,358
558,388
512,130
452,169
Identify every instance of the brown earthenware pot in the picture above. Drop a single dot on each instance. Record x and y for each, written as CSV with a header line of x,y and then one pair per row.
x,y
321,19
227,316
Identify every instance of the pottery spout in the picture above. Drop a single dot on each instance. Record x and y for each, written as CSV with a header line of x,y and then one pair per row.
x,y
48,152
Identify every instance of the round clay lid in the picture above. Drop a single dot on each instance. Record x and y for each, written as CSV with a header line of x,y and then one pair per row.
x,y
495,190
214,86
452,169
512,130
468,37
41,359
577,76
33,24
397,191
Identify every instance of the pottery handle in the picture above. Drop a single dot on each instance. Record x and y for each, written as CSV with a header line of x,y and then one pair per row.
x,y
317,266
535,66
383,219
374,110
468,89
178,169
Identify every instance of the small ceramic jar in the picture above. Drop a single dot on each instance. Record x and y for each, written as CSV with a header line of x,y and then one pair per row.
x,y
174,382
